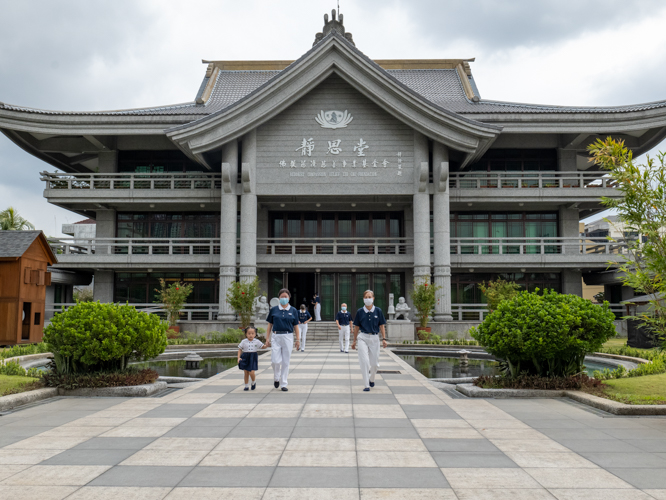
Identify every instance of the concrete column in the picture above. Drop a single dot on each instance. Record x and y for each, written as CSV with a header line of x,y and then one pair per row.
x,y
569,218
421,207
442,232
567,160
103,288
108,162
248,258
228,219
105,227
572,282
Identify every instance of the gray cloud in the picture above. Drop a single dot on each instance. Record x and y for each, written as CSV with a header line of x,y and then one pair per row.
x,y
505,24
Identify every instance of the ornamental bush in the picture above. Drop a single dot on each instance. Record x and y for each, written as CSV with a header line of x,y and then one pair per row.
x,y
546,335
95,337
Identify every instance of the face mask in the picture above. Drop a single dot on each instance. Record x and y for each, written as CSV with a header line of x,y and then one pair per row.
x,y
284,301
368,302
344,308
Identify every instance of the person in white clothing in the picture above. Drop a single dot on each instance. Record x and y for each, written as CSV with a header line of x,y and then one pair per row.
x,y
316,302
248,357
371,322
343,319
282,323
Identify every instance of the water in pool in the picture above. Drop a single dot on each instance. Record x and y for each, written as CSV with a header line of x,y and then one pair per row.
x,y
440,367
176,368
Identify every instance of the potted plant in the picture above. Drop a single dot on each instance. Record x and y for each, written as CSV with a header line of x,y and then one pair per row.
x,y
424,298
240,296
173,297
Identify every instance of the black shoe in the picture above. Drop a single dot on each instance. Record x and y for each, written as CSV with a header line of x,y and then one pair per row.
x,y
285,389
246,389
367,389
254,386
276,384
372,384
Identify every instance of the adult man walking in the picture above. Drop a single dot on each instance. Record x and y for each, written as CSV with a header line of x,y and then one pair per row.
x,y
316,302
370,320
343,319
282,323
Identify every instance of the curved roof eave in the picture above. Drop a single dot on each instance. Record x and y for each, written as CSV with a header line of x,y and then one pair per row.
x,y
334,55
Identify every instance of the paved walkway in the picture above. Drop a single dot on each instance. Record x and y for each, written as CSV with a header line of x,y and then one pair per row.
x,y
326,439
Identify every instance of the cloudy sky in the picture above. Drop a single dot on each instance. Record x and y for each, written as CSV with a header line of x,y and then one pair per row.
x,y
111,54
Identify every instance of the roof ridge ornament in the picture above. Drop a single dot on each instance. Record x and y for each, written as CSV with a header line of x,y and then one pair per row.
x,y
333,25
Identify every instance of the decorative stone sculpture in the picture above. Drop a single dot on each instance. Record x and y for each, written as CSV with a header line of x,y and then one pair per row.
x,y
402,310
391,307
261,308
274,302
192,361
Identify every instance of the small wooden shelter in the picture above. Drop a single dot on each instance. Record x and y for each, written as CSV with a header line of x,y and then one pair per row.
x,y
24,260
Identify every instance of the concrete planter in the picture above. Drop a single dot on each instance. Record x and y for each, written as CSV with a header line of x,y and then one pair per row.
x,y
129,391
23,398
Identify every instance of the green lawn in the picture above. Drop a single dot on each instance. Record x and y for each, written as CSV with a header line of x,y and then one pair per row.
x,y
650,389
617,342
13,383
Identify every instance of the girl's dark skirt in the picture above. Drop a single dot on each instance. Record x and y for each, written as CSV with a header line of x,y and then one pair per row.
x,y
249,361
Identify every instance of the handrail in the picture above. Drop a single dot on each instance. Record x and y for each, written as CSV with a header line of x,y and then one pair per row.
x,y
477,312
547,245
136,246
530,180
335,246
190,312
130,180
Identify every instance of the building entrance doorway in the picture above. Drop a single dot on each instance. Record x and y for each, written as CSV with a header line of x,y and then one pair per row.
x,y
336,288
302,288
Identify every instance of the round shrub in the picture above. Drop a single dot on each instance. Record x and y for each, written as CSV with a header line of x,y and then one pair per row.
x,y
546,335
91,337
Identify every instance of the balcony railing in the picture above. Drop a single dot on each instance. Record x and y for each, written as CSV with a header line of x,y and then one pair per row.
x,y
335,246
136,246
531,246
190,312
530,180
477,312
189,180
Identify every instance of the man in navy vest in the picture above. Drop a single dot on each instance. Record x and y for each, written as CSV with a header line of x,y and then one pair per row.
x,y
282,323
343,319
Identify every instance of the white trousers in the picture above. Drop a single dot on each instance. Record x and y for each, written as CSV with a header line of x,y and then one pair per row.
x,y
281,355
343,332
303,329
368,356
317,311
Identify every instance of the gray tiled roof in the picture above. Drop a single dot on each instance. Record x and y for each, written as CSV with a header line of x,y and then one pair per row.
x,y
442,87
15,243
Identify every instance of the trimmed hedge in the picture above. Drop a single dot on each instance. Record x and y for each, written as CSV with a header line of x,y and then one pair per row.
x,y
68,381
95,337
546,335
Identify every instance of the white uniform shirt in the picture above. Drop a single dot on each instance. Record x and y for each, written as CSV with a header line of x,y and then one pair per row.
x,y
247,346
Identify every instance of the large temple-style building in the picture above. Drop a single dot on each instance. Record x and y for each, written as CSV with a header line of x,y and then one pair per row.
x,y
332,173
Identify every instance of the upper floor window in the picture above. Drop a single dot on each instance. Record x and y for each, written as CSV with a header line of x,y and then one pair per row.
x,y
336,225
156,162
517,160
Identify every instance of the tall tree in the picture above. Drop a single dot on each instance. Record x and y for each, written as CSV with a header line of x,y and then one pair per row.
x,y
642,212
10,220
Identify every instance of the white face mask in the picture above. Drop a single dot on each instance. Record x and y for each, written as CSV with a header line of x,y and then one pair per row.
x,y
368,302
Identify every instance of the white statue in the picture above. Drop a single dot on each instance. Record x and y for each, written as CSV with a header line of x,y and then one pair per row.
x,y
261,308
402,310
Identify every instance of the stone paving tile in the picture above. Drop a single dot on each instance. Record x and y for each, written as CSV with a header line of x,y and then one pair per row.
x,y
503,494
630,460
318,458
56,475
341,493
600,494
216,493
173,458
641,477
33,492
456,459
142,476
460,445
198,432
115,492
489,478
89,457
401,477
325,477
579,478
321,444
9,470
241,458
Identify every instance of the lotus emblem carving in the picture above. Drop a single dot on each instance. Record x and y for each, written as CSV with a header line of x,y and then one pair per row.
x,y
334,119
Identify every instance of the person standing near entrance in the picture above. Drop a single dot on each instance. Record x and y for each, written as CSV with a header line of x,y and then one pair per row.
x,y
304,318
371,322
343,319
282,323
316,302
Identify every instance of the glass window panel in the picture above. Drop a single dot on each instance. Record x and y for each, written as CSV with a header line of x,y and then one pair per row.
x,y
278,228
396,286
362,226
344,225
345,291
310,226
362,284
379,225
395,229
327,296
293,225
381,291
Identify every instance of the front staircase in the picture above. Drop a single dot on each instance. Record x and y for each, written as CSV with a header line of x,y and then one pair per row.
x,y
322,330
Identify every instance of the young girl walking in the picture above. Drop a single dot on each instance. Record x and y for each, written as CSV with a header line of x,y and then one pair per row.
x,y
248,359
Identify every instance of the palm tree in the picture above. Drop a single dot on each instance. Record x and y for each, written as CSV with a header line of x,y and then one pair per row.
x,y
10,220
